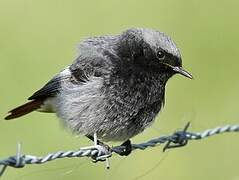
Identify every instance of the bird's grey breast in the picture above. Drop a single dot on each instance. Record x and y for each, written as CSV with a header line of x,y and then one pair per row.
x,y
133,101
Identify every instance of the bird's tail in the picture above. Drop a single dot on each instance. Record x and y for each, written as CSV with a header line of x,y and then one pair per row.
x,y
24,109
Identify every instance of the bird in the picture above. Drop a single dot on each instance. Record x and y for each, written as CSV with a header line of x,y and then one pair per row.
x,y
114,88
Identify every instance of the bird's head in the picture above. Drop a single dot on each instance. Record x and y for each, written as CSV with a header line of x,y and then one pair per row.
x,y
152,50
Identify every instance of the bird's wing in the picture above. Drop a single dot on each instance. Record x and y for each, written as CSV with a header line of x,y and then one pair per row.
x,y
74,74
79,72
52,87
38,98
89,62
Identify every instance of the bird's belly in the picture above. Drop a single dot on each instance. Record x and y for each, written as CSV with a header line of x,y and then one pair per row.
x,y
110,123
86,110
126,125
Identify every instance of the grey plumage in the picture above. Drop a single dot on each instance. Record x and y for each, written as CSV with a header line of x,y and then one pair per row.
x,y
116,85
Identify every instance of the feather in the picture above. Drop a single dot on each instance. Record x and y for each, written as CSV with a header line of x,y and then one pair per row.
x,y
24,109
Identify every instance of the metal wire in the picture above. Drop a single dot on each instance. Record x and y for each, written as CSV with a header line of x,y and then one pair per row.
x,y
100,153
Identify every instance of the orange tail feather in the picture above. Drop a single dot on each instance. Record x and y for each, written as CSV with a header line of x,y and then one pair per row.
x,y
24,109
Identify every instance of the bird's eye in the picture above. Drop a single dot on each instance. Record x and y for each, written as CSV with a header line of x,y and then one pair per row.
x,y
160,55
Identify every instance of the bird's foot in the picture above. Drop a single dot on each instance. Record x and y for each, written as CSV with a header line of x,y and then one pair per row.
x,y
102,151
127,148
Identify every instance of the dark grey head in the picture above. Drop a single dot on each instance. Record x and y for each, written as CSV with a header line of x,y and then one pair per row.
x,y
153,50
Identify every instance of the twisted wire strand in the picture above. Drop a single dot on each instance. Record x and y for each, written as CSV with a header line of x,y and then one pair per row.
x,y
99,153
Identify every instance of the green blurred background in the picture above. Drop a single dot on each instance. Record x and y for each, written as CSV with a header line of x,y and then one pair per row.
x,y
39,38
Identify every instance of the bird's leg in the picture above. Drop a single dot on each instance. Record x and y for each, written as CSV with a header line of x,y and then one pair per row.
x,y
98,142
128,148
104,151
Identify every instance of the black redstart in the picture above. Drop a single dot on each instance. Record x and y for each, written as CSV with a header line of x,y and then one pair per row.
x,y
114,88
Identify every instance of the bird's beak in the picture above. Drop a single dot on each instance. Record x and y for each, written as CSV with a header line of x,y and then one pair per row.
x,y
182,71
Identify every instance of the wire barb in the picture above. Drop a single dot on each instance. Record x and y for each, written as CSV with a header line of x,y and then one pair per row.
x,y
179,139
99,153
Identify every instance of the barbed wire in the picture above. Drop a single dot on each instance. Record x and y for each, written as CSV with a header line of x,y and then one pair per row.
x,y
101,153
